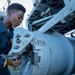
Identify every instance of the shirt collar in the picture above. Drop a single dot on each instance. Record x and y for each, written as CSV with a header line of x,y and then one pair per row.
x,y
4,30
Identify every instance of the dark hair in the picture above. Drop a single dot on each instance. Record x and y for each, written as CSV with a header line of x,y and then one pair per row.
x,y
16,6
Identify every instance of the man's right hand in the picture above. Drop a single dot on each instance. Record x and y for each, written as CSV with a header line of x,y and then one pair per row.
x,y
14,63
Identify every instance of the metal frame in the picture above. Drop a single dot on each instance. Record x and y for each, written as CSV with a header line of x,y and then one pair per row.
x,y
44,17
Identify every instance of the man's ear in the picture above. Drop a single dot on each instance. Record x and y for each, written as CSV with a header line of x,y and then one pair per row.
x,y
9,14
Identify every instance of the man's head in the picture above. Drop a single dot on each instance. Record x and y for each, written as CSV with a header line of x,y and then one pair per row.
x,y
16,6
15,13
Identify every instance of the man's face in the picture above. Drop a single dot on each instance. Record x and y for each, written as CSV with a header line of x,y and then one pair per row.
x,y
16,18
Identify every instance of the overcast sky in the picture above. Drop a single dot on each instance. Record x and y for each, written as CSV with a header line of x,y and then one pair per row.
x,y
26,3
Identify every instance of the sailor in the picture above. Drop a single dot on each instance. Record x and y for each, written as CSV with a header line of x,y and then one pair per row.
x,y
15,15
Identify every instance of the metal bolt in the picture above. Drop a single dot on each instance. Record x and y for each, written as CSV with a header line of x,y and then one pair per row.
x,y
18,35
27,35
16,47
18,41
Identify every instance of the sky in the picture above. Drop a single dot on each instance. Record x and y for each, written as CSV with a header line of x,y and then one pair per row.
x,y
26,3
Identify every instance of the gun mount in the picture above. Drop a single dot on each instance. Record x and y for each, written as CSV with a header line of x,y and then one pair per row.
x,y
43,54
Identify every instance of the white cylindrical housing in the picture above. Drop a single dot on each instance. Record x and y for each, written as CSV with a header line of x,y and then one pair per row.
x,y
56,54
51,54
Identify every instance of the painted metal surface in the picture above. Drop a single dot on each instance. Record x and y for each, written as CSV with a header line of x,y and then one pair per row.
x,y
56,55
21,39
53,54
